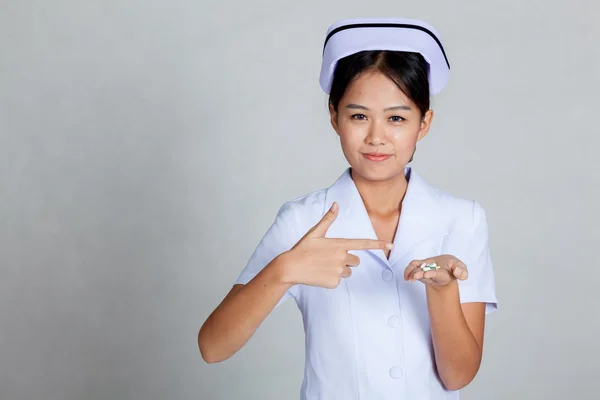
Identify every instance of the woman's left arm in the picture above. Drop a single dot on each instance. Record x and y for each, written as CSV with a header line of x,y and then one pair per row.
x,y
456,329
457,317
457,332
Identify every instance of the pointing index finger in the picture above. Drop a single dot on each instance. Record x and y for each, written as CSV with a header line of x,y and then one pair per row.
x,y
364,244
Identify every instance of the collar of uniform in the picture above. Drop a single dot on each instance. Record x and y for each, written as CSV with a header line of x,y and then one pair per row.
x,y
420,217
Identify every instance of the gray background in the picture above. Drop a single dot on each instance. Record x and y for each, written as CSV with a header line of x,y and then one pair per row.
x,y
145,147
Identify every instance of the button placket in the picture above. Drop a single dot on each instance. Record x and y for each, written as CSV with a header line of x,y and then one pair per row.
x,y
394,322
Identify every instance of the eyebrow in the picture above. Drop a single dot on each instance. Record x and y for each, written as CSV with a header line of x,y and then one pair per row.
x,y
394,108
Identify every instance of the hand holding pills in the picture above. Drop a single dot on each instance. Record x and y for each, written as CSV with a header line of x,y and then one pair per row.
x,y
436,271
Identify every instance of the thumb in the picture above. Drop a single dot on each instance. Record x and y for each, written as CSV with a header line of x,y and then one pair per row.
x,y
320,229
459,272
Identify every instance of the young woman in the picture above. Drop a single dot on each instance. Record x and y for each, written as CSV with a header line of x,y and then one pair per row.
x,y
393,277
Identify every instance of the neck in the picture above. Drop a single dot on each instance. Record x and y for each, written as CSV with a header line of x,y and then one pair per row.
x,y
381,197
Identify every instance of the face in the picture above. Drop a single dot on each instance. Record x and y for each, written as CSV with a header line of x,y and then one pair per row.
x,y
378,126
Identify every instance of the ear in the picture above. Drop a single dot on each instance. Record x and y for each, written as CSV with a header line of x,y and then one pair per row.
x,y
334,118
425,124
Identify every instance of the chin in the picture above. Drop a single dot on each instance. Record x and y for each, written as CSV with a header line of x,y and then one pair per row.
x,y
378,173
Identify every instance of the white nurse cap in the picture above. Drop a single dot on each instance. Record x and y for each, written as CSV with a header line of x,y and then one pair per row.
x,y
351,36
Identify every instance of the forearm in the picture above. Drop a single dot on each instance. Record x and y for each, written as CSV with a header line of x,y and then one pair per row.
x,y
457,352
238,316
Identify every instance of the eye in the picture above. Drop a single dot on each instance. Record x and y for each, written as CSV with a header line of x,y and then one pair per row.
x,y
359,116
396,118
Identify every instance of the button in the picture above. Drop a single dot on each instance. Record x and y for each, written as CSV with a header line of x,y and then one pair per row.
x,y
394,321
396,372
387,275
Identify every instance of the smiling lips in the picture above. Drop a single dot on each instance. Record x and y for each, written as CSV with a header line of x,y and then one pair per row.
x,y
377,157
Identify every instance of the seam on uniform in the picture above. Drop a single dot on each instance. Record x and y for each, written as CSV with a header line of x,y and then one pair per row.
x,y
294,209
353,340
473,216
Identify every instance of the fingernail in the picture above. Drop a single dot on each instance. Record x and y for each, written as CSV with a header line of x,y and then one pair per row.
x,y
457,271
389,246
333,206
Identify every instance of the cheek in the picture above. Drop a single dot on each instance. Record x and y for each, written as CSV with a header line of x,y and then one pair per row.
x,y
352,136
350,145
404,138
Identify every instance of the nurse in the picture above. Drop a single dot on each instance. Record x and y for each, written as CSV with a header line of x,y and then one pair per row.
x,y
393,277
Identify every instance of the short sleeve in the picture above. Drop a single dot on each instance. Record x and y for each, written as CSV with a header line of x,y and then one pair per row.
x,y
281,236
479,286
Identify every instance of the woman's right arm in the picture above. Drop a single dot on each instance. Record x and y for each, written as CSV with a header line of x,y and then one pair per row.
x,y
314,261
241,312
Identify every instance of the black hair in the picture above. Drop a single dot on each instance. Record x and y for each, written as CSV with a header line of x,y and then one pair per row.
x,y
408,70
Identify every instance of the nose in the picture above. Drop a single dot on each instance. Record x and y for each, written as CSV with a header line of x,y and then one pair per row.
x,y
377,134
